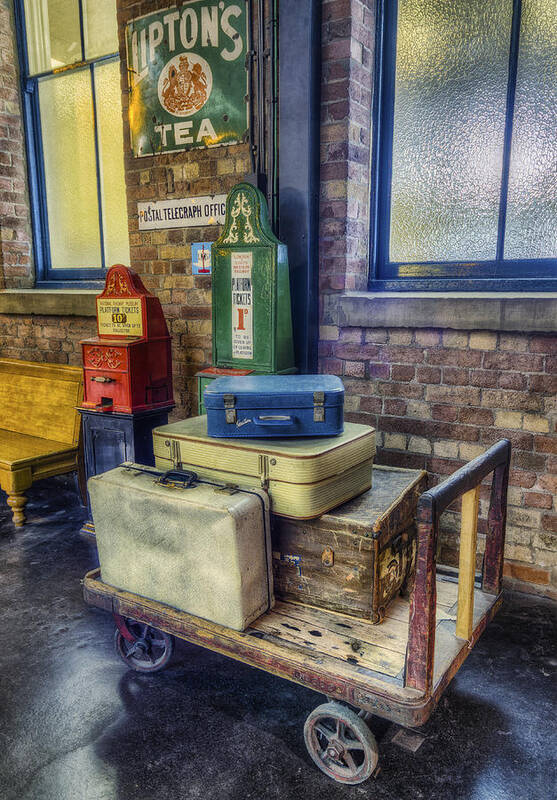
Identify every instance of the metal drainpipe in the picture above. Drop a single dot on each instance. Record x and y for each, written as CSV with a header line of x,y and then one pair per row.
x,y
273,155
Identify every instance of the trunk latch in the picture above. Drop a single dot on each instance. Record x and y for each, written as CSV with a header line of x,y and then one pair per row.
x,y
229,410
319,406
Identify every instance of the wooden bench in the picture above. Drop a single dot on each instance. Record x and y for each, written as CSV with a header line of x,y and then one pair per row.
x,y
39,425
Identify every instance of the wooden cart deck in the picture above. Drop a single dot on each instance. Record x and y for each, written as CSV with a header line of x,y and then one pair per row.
x,y
338,655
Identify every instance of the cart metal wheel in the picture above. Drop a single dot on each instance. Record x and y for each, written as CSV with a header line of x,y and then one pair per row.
x,y
340,743
148,649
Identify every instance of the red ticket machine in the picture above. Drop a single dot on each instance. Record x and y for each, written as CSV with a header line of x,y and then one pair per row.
x,y
127,367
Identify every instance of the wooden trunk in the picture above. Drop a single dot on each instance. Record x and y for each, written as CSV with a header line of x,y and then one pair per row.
x,y
356,558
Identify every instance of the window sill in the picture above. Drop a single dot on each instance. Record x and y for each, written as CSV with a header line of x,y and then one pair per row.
x,y
495,311
55,302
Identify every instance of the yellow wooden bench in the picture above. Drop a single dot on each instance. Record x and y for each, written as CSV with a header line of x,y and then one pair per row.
x,y
39,425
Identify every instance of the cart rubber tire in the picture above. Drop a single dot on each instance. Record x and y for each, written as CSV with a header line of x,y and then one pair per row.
x,y
340,743
150,652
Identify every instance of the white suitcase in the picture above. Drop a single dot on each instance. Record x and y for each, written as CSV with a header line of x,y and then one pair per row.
x,y
204,548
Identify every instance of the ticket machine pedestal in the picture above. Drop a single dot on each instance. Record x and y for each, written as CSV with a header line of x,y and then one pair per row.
x,y
109,438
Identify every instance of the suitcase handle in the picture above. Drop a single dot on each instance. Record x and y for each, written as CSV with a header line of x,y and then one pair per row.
x,y
178,479
274,420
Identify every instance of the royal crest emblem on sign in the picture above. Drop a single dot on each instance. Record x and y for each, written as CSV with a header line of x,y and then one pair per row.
x,y
185,84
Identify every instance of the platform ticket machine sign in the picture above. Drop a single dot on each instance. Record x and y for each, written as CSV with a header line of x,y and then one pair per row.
x,y
252,322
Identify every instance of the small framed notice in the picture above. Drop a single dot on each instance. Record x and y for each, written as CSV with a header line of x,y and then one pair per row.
x,y
119,317
242,304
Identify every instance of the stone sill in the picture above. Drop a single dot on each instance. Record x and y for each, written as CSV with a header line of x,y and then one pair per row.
x,y
494,311
55,302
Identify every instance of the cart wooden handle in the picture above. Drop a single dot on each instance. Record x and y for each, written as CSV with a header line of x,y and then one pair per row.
x,y
463,483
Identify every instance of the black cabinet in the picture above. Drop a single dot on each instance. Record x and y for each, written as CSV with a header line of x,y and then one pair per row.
x,y
109,438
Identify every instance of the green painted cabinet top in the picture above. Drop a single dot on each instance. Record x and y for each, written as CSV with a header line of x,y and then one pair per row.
x,y
252,321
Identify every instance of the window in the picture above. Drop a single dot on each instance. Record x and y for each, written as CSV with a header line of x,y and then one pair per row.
x,y
465,152
73,116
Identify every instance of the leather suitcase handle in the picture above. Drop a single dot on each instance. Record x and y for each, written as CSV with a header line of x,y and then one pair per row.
x,y
176,478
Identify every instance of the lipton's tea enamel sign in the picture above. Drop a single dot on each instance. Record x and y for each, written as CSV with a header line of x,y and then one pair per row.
x,y
187,77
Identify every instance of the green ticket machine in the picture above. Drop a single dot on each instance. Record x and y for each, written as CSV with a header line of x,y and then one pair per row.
x,y
252,319
252,322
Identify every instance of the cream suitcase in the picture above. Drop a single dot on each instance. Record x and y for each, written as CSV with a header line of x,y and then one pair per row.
x,y
304,477
201,548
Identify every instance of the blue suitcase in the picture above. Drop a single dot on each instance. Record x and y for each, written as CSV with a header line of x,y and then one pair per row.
x,y
273,406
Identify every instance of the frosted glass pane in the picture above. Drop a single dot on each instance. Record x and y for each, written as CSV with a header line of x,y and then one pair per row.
x,y
531,230
449,119
69,160
111,151
53,37
100,28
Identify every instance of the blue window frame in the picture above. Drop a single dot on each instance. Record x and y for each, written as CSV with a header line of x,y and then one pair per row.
x,y
473,217
89,38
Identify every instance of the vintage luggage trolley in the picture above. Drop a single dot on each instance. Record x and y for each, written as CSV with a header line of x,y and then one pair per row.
x,y
397,670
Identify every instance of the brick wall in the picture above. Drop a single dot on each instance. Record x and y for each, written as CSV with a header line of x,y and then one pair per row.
x,y
347,65
440,398
44,338
15,237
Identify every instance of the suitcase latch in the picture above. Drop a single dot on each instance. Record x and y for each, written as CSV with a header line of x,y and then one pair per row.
x,y
264,471
328,557
175,453
229,410
319,406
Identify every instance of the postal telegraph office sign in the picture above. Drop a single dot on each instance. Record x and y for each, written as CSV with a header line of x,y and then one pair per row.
x,y
188,78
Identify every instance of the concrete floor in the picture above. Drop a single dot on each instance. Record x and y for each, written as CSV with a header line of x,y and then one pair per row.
x,y
76,724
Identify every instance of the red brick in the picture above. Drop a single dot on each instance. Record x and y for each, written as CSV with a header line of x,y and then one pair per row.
x,y
484,378
400,458
355,369
551,365
430,429
520,440
412,390
546,444
428,374
394,407
446,413
538,500
528,461
196,312
525,362
402,355
402,372
512,380
331,366
459,395
371,405
378,370
443,466
549,522
355,351
455,376
454,358
543,383
504,398
544,344
549,482
475,416
522,478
